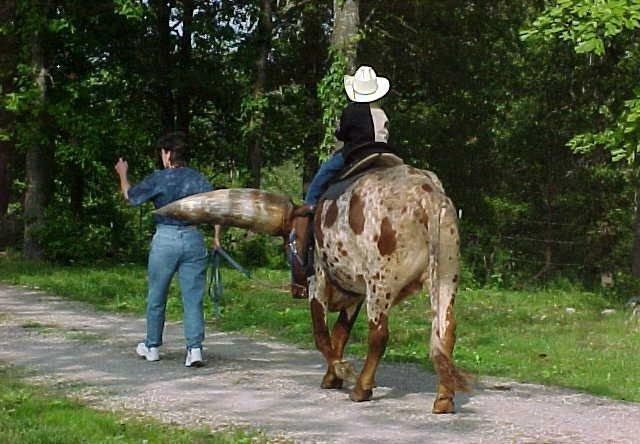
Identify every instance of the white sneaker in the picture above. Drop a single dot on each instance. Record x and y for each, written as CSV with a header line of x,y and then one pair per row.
x,y
194,358
149,353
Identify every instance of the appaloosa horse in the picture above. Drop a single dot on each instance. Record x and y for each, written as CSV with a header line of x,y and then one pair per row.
x,y
390,233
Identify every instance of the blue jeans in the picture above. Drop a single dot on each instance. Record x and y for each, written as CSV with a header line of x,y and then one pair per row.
x,y
180,249
327,171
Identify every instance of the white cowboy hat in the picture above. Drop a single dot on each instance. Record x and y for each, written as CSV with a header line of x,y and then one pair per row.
x,y
364,86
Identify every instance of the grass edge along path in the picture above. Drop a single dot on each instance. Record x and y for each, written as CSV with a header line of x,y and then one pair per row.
x,y
38,414
557,337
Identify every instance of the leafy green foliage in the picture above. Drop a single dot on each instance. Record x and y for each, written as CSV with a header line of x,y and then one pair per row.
x,y
621,139
587,24
521,134
332,99
131,9
604,29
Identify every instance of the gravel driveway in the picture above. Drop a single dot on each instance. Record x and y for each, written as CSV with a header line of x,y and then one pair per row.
x,y
275,387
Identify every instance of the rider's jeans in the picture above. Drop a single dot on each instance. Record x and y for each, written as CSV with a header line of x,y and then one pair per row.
x,y
180,249
320,181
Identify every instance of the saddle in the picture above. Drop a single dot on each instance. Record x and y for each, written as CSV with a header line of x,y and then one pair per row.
x,y
371,157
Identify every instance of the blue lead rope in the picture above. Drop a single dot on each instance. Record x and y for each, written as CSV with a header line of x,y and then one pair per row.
x,y
215,279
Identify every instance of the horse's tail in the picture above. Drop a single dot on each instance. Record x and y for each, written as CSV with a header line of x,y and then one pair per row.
x,y
444,275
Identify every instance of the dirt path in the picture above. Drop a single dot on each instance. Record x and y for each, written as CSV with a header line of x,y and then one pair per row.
x,y
275,387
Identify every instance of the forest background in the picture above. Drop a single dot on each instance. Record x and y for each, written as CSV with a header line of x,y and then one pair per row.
x,y
526,110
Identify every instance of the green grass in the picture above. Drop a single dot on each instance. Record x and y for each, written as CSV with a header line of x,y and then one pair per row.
x,y
527,336
34,414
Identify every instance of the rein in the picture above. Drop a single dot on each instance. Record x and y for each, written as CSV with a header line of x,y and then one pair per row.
x,y
215,278
216,288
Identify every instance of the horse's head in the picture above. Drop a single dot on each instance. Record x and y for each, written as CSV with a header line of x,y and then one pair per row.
x,y
254,210
299,251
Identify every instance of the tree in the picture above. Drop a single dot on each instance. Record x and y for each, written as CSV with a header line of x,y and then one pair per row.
x,y
7,72
164,93
343,55
346,23
592,27
257,102
39,152
183,94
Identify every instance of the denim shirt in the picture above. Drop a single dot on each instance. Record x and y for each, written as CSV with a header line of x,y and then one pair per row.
x,y
165,186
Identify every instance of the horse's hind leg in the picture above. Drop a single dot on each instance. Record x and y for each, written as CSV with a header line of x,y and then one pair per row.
x,y
379,299
442,358
378,336
340,370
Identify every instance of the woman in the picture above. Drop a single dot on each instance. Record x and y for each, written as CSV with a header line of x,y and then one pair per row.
x,y
176,247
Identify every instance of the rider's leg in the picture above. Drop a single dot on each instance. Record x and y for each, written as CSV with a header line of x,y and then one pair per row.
x,y
322,178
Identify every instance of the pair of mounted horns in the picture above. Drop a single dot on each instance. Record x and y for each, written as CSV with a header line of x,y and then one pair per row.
x,y
251,209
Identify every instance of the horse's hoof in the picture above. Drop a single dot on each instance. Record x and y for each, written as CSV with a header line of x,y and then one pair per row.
x,y
331,381
443,405
360,395
345,370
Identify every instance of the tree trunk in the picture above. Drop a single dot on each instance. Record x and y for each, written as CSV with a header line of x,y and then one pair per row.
x,y
165,96
264,35
39,157
635,253
345,30
5,148
548,254
77,185
316,54
183,95
7,72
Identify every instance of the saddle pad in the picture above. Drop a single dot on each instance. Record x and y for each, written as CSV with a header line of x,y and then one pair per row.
x,y
358,169
336,189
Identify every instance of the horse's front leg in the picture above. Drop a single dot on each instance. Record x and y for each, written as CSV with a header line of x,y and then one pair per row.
x,y
318,301
323,343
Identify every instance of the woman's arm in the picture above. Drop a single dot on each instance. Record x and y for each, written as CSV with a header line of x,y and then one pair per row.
x,y
121,168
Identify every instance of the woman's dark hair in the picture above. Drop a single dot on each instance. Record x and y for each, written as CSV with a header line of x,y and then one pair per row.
x,y
176,144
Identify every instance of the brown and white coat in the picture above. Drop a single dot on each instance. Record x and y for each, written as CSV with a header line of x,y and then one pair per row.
x,y
393,232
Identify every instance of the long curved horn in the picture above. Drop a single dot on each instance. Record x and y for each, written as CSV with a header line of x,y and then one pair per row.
x,y
255,210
